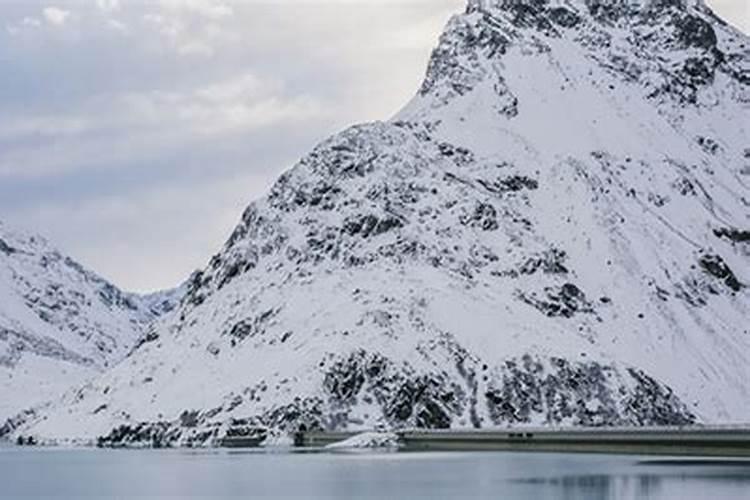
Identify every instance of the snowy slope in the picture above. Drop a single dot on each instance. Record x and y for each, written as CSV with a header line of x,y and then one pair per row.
x,y
59,323
554,231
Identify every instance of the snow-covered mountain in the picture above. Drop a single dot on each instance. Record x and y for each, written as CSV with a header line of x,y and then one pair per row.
x,y
553,231
60,324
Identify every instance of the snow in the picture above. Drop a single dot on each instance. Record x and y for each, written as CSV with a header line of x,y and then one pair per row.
x,y
528,242
367,440
60,324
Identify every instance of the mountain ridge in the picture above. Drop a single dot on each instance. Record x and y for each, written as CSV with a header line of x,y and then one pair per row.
x,y
552,232
59,322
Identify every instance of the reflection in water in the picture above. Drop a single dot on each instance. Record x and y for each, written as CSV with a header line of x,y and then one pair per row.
x,y
665,479
585,487
648,486
697,462
218,475
599,486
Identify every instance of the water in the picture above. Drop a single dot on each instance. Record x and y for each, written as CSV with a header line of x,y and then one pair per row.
x,y
80,474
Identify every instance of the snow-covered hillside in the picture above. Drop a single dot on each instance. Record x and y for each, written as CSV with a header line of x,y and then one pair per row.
x,y
60,324
554,231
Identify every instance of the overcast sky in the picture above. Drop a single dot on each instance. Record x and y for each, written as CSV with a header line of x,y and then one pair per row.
x,y
134,132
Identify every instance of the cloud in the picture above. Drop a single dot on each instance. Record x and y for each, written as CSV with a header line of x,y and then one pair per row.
x,y
149,121
50,125
736,12
117,25
195,28
55,15
176,127
25,23
108,5
240,103
195,48
157,121
168,28
31,22
163,220
212,9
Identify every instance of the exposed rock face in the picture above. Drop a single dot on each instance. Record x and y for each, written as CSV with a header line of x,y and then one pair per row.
x,y
586,394
551,232
60,323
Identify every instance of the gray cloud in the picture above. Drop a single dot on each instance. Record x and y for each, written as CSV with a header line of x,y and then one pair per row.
x,y
134,132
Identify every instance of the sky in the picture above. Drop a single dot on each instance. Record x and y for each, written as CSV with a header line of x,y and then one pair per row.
x,y
133,133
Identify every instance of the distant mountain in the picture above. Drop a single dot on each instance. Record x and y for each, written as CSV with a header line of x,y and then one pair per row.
x,y
60,324
554,231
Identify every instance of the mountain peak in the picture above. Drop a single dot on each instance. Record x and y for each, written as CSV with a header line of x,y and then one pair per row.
x,y
559,211
592,6
11,238
61,323
673,52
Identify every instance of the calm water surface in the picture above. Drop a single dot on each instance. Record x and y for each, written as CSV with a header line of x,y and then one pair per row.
x,y
80,474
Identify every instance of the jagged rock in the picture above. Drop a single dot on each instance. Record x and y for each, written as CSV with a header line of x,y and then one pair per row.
x,y
565,301
733,235
715,266
586,394
61,323
6,249
520,244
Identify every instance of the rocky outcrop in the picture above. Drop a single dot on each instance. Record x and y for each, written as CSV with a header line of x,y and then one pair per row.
x,y
549,233
59,322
